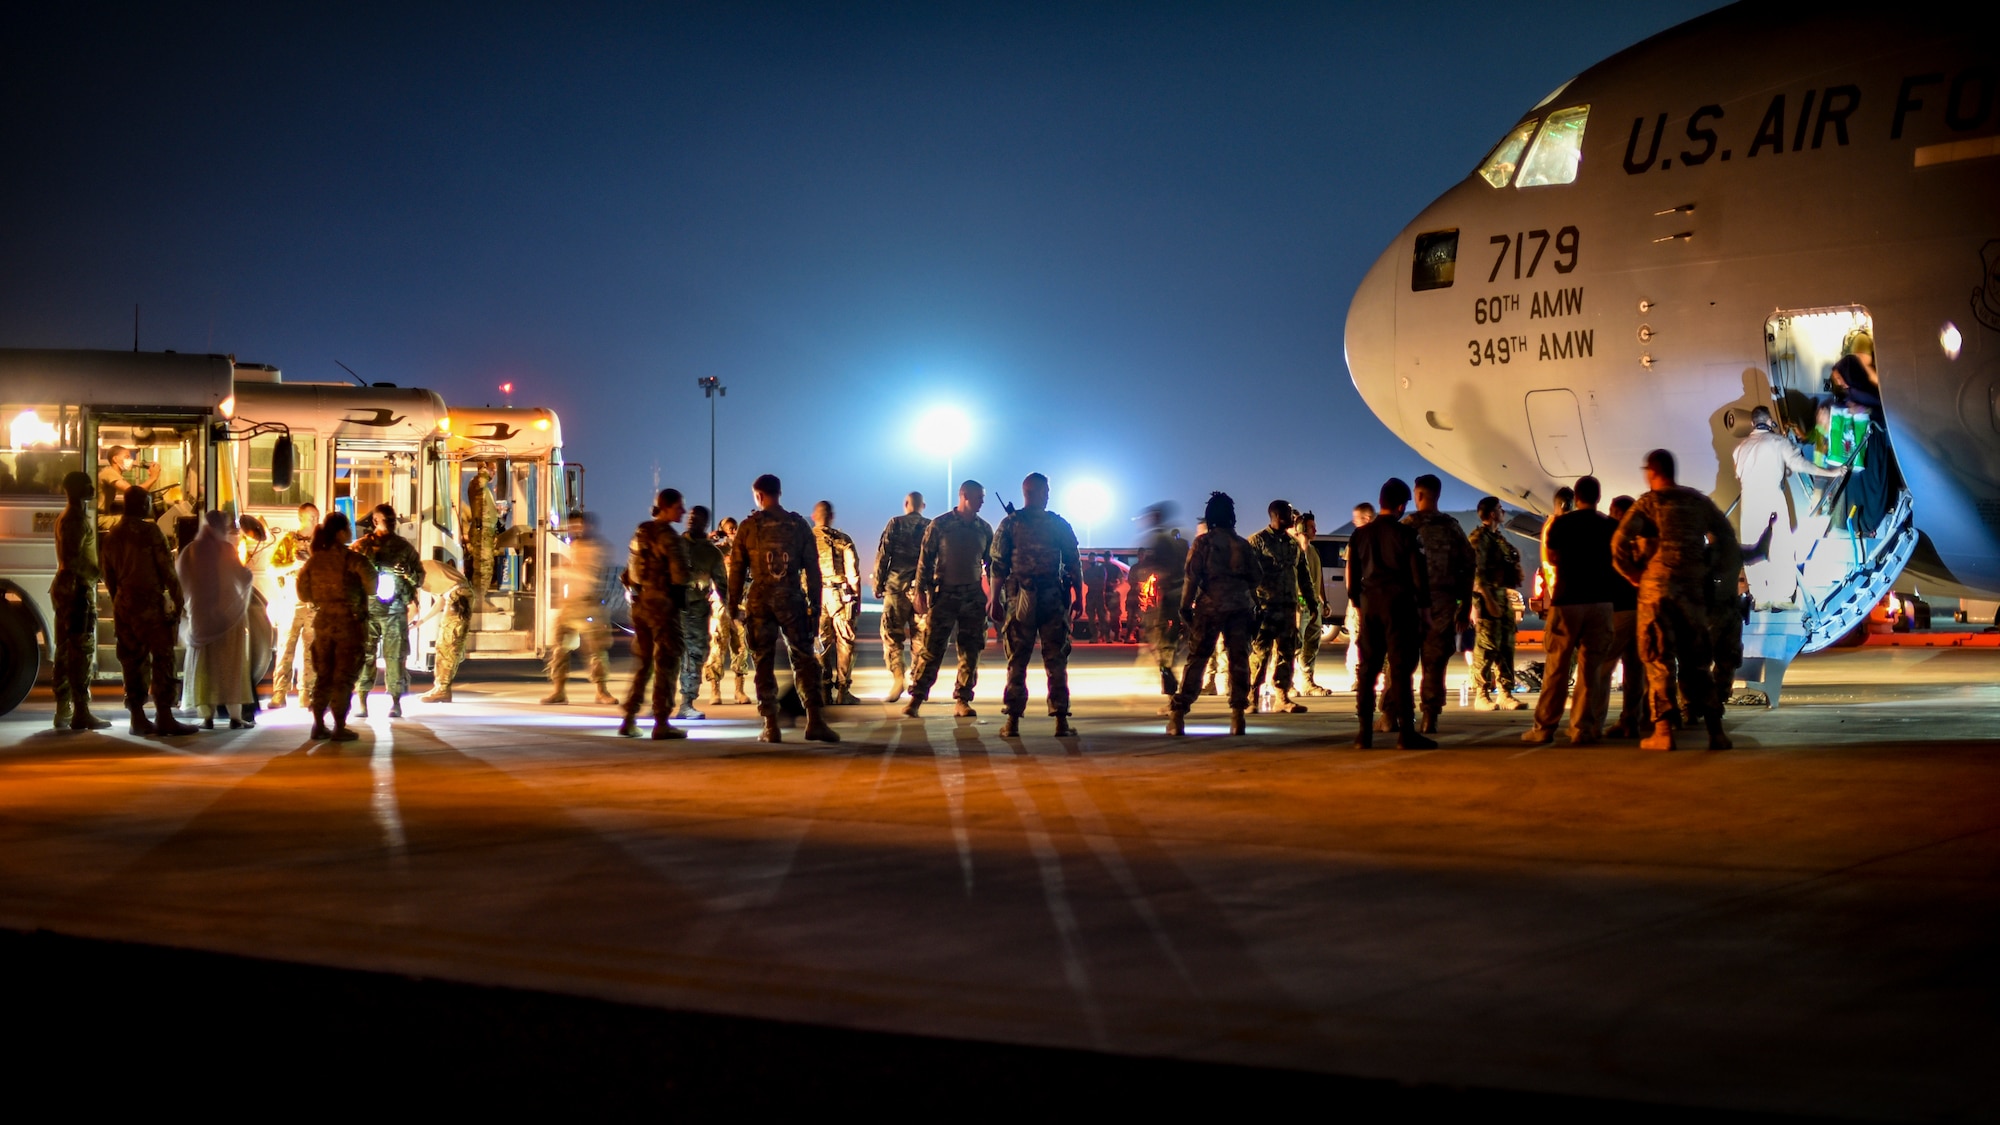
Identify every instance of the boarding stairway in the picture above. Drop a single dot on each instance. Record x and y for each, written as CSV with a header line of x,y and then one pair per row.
x,y
1842,578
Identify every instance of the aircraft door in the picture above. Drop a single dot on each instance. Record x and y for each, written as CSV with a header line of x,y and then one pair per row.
x,y
1556,422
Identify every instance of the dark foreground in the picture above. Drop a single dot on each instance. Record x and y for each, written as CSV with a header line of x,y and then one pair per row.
x,y
498,904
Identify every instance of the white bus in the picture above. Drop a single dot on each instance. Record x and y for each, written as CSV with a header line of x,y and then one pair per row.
x,y
129,419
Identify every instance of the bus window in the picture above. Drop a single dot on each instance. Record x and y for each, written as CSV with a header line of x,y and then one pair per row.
x,y
445,497
305,472
164,458
41,446
1557,151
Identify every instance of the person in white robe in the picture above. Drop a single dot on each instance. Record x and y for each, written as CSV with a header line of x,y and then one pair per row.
x,y
1763,459
216,674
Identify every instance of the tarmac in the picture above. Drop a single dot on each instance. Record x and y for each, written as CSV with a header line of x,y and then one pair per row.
x,y
1807,924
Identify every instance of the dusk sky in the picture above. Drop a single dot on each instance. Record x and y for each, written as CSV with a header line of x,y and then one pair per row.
x,y
1121,237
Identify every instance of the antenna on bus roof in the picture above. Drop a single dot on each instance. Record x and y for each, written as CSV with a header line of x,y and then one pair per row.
x,y
358,380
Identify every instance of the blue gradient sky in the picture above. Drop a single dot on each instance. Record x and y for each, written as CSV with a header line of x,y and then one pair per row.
x,y
1122,237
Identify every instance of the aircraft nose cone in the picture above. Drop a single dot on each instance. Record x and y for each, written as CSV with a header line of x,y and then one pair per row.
x,y
1371,338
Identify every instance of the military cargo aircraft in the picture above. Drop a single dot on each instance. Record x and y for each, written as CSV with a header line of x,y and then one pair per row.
x,y
1704,223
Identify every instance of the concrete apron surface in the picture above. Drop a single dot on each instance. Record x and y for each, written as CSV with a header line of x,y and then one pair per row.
x,y
1807,923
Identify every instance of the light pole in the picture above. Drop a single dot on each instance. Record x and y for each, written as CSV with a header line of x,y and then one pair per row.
x,y
943,431
711,389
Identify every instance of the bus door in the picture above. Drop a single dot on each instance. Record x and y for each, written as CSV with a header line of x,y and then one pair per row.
x,y
367,473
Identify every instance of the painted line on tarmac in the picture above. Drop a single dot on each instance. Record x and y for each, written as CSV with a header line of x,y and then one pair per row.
x,y
1049,861
951,778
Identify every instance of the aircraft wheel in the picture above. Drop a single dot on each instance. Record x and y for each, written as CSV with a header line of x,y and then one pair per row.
x,y
20,655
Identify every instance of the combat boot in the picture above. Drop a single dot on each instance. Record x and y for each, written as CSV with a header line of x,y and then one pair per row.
x,y
1507,702
686,712
844,697
816,728
910,708
604,698
436,695
1384,724
629,728
81,718
664,730
141,725
166,726
1238,722
1176,724
360,705
1364,739
1010,727
1407,737
1063,729
62,714
770,733
1430,723
1716,739
962,709
395,706
319,731
556,698
1314,689
740,697
895,689
1484,703
277,702
1662,737
1287,705
341,733
714,693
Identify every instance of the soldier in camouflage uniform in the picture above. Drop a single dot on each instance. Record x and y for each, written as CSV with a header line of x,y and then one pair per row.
x,y
1096,575
450,595
475,532
656,583
1037,577
1275,646
1390,583
951,598
288,556
895,572
1496,569
140,572
73,604
840,585
580,610
1448,555
1664,547
388,621
1162,563
1218,601
338,584
776,555
731,653
707,578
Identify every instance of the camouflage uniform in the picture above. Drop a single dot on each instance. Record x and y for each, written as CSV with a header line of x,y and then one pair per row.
x,y
949,564
338,584
388,622
840,586
1671,569
1726,612
1277,636
1390,583
1496,569
1035,565
731,653
658,575
1163,562
1094,582
1114,604
580,610
773,552
707,578
292,551
73,603
1448,557
476,534
1311,611
140,572
895,574
1218,598
443,580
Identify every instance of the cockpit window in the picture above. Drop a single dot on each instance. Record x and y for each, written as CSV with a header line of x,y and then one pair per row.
x,y
1436,260
1558,150
1499,167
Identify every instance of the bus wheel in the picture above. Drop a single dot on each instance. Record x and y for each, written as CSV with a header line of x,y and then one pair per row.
x,y
20,654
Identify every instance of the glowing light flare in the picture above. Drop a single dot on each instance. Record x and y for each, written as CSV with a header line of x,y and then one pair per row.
x,y
542,423
506,388
27,429
1950,339
942,431
228,407
444,424
1087,502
